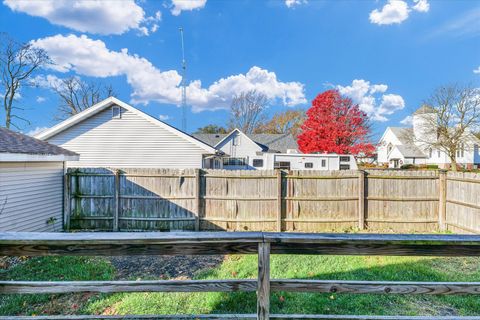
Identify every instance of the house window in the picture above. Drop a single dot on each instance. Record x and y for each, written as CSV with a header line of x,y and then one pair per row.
x,y
233,161
344,159
460,151
257,163
308,165
430,152
344,167
389,148
282,165
475,149
324,163
438,153
116,113
236,140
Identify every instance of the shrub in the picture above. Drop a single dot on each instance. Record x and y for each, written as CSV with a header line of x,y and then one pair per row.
x,y
407,166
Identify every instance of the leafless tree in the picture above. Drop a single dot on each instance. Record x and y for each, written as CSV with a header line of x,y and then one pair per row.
x,y
289,121
18,62
76,95
247,110
450,124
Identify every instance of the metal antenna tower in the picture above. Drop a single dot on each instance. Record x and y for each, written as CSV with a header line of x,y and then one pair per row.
x,y
184,85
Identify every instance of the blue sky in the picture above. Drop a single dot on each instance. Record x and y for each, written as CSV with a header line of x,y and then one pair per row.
x,y
387,55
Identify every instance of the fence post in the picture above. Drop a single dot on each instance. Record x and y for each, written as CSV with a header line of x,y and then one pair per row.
x,y
198,190
279,200
263,289
442,200
361,200
67,210
117,200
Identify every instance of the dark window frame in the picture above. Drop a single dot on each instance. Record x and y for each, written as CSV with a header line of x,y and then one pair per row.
x,y
308,165
255,163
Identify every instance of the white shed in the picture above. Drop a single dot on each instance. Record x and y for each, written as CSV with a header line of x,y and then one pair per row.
x,y
31,183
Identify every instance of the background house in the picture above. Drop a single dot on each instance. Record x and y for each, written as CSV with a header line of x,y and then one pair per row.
x,y
268,151
400,145
115,134
31,183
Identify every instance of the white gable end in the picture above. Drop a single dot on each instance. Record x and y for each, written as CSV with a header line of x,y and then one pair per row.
x,y
238,145
128,141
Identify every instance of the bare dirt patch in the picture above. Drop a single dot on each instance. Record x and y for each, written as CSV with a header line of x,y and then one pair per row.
x,y
162,267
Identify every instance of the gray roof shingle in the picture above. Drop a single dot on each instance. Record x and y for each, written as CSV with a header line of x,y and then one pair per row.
x,y
410,151
405,135
14,142
268,142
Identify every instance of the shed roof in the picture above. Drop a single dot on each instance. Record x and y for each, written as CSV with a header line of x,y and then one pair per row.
x,y
12,142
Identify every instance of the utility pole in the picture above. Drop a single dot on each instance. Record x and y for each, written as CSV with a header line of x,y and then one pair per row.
x,y
184,85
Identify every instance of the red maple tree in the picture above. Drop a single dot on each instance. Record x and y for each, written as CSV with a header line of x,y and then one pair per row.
x,y
335,124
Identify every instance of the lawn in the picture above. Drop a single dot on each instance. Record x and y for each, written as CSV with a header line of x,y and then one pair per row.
x,y
283,266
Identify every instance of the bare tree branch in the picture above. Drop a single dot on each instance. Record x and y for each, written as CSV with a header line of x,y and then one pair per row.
x,y
247,111
18,62
449,123
76,95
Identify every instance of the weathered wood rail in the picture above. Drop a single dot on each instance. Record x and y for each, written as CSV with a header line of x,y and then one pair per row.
x,y
247,200
263,244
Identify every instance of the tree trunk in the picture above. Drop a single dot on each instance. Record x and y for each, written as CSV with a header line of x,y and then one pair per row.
x,y
453,164
7,120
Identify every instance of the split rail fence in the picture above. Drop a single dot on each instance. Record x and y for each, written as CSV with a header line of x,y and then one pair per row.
x,y
303,201
263,244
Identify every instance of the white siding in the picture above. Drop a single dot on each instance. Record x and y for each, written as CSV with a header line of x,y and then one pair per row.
x,y
244,149
31,193
131,141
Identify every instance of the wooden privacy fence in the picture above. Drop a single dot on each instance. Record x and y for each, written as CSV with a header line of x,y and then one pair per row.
x,y
248,200
194,243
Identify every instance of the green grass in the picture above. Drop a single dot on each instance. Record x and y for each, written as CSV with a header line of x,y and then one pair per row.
x,y
54,269
283,266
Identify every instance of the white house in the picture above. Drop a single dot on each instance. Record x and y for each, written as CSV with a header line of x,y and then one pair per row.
x,y
31,183
115,134
268,151
403,145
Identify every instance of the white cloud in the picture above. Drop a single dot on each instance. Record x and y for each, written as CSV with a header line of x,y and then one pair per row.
x,y
163,117
408,121
366,95
93,16
36,131
47,81
397,11
92,58
41,99
421,5
186,5
293,3
477,71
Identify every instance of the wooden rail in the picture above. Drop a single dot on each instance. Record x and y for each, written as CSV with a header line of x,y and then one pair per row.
x,y
263,244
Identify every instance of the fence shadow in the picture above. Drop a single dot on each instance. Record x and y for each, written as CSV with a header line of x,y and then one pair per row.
x,y
144,202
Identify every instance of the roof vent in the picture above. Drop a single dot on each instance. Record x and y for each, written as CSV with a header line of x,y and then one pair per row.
x,y
217,136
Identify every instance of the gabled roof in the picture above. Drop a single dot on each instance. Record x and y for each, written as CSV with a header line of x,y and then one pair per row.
x,y
403,134
102,105
409,151
268,142
15,143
